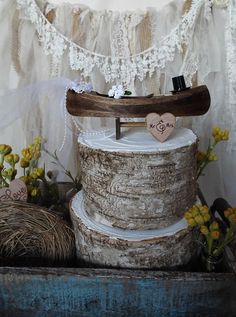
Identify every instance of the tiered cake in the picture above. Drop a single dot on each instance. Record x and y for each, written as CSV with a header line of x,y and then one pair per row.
x,y
135,191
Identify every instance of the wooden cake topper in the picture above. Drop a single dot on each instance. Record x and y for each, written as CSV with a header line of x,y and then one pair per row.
x,y
189,102
184,101
160,126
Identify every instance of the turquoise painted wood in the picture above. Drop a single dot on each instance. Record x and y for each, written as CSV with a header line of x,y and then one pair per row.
x,y
57,292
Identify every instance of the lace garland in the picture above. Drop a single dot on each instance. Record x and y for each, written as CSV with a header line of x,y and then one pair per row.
x,y
120,43
121,69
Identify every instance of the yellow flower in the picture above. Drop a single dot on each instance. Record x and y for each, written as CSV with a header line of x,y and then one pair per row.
x,y
34,192
40,172
199,220
225,136
214,226
227,212
204,230
36,155
37,172
37,147
38,140
5,149
31,147
191,222
218,138
33,175
11,159
215,234
216,131
230,211
187,215
6,172
230,214
203,210
212,156
25,179
232,218
220,135
9,173
16,158
24,163
199,213
194,211
206,217
27,154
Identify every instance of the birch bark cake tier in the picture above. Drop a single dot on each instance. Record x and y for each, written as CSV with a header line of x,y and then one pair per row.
x,y
108,246
137,182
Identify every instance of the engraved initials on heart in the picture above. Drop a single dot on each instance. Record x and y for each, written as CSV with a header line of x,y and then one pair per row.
x,y
160,126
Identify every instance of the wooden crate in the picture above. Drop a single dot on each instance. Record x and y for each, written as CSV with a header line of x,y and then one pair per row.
x,y
85,292
82,292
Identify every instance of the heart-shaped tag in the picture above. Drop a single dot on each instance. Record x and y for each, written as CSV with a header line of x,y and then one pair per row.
x,y
16,191
160,126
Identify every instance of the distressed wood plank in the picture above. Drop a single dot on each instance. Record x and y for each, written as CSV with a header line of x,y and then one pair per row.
x,y
97,292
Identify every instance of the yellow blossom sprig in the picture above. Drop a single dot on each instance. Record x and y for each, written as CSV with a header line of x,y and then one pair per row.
x,y
230,215
29,163
31,155
9,174
11,159
33,176
204,158
220,135
4,150
216,239
41,186
197,215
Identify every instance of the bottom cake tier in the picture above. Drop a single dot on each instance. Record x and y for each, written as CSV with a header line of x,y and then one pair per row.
x,y
107,246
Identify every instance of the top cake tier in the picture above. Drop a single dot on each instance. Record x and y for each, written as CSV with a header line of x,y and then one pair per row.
x,y
136,140
137,182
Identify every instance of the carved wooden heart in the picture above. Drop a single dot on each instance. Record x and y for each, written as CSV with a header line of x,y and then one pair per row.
x,y
16,191
160,126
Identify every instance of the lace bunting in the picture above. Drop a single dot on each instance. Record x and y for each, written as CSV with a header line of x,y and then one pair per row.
x,y
122,69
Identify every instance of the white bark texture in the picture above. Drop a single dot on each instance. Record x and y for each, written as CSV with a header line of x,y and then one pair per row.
x,y
138,190
106,250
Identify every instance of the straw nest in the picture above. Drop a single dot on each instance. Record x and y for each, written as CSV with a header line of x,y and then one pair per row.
x,y
28,230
